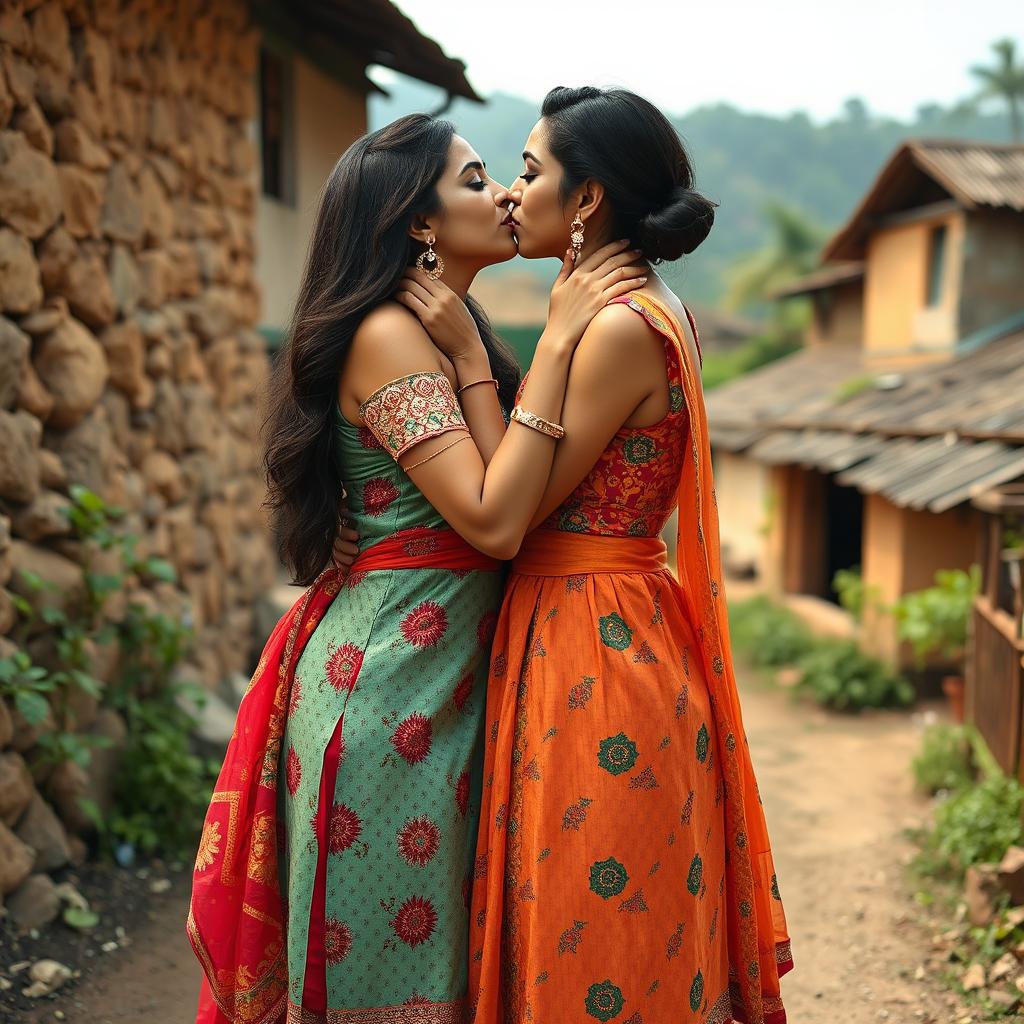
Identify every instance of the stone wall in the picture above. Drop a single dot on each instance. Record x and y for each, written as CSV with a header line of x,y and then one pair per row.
x,y
128,359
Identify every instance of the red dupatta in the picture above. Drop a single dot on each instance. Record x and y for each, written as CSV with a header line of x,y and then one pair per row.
x,y
236,920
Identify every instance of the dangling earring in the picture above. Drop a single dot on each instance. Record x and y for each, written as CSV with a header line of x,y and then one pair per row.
x,y
429,262
576,238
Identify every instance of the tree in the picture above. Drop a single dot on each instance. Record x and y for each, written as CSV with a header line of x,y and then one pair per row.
x,y
793,251
1004,80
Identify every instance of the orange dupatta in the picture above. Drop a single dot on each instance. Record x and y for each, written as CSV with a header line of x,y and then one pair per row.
x,y
756,921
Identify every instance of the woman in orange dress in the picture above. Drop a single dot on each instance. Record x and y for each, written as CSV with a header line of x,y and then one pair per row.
x,y
623,869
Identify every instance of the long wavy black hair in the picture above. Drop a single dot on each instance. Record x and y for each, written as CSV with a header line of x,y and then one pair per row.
x,y
358,252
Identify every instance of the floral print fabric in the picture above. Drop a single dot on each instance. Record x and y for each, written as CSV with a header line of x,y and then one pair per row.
x,y
404,412
380,754
614,878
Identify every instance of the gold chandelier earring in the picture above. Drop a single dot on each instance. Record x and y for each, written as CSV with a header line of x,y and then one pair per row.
x,y
429,262
576,236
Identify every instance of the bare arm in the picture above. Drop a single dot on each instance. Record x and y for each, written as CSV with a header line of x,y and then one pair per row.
x,y
490,506
452,329
480,403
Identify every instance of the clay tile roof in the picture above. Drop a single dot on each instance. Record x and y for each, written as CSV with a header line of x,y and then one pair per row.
x,y
973,174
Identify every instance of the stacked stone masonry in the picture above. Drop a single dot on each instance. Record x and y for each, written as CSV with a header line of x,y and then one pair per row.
x,y
129,362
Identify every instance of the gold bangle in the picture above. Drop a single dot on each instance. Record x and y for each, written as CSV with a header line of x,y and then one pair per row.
x,y
528,419
473,383
438,452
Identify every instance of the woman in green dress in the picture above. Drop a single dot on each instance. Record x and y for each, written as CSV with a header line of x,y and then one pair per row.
x,y
332,878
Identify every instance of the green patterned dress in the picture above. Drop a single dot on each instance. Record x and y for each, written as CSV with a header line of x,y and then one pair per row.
x,y
388,701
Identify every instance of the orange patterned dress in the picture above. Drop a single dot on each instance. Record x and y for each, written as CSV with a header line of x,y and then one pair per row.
x,y
623,869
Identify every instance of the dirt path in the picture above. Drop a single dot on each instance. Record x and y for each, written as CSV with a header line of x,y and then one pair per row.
x,y
837,794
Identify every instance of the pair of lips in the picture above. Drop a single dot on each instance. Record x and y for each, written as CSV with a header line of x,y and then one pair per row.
x,y
509,220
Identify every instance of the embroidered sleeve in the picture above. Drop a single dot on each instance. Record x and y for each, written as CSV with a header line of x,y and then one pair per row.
x,y
412,409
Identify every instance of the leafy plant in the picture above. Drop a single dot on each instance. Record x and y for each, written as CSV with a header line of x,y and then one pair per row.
x,y
27,685
767,634
947,760
163,788
935,620
152,646
840,676
59,746
72,645
980,823
853,595
853,386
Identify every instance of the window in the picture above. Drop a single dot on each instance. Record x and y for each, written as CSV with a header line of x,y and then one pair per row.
x,y
936,265
275,127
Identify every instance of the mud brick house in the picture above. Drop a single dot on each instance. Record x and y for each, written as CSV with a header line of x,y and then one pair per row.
x,y
867,446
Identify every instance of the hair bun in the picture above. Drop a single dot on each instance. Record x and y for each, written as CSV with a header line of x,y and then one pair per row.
x,y
678,227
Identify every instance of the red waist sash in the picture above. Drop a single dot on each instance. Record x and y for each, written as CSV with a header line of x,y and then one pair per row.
x,y
423,548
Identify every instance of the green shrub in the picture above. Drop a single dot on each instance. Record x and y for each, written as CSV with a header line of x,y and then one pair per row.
x,y
853,386
720,367
162,787
767,634
853,595
935,620
980,823
839,675
947,760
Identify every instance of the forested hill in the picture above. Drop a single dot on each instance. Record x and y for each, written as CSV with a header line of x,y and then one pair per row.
x,y
743,161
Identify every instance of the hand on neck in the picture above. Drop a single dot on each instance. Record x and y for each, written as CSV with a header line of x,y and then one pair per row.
x,y
458,278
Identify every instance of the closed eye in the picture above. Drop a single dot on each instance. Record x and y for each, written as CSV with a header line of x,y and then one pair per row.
x,y
525,176
478,185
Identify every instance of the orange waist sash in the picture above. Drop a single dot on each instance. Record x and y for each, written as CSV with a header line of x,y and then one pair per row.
x,y
559,553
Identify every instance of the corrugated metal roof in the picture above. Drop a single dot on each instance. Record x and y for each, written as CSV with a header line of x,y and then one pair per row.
x,y
974,174
978,173
945,433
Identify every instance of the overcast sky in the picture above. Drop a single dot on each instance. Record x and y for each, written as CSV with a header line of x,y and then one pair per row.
x,y
773,57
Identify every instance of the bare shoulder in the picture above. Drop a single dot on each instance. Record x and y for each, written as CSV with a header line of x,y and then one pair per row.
x,y
620,334
388,344
390,328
